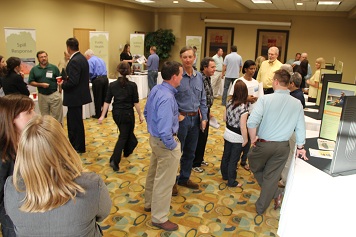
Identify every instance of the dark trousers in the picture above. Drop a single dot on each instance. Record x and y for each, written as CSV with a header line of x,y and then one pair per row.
x,y
100,87
268,91
188,133
202,139
7,227
125,121
267,160
227,83
152,78
76,133
231,155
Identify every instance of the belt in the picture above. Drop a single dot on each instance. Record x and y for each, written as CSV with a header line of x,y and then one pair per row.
x,y
188,113
262,140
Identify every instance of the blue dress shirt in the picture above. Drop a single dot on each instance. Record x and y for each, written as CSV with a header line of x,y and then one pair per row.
x,y
191,94
161,113
97,67
277,115
152,62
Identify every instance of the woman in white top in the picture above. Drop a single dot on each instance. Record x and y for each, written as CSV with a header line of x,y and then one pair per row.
x,y
313,82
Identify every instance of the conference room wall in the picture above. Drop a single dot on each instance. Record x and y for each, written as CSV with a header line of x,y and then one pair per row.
x,y
318,35
54,22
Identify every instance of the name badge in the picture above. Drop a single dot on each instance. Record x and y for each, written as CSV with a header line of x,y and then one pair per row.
x,y
49,74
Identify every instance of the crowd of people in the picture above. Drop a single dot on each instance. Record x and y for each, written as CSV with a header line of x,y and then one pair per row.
x,y
177,113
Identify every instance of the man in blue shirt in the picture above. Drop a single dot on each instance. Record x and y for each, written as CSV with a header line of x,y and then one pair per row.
x,y
161,113
191,99
277,116
152,67
98,79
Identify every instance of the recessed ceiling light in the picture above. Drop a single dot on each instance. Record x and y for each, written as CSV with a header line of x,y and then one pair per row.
x,y
145,1
299,4
329,2
262,1
195,0
175,1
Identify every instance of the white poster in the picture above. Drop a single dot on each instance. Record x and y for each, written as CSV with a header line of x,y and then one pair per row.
x,y
21,43
195,41
137,44
99,43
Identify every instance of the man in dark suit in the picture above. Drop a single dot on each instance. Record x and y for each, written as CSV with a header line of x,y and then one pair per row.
x,y
76,94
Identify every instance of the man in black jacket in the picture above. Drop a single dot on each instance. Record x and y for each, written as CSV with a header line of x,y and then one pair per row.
x,y
76,94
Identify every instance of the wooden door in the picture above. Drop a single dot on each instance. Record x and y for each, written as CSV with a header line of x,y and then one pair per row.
x,y
82,35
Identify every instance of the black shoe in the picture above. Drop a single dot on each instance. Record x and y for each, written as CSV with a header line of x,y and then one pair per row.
x,y
113,166
79,151
96,117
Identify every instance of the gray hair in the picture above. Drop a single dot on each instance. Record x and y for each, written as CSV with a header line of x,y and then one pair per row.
x,y
296,78
288,68
89,52
275,49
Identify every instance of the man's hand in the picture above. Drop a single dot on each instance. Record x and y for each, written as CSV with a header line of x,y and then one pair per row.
x,y
45,85
301,154
203,125
253,141
251,99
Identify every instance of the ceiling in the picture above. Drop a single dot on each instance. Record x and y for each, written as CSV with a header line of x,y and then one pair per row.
x,y
347,7
308,5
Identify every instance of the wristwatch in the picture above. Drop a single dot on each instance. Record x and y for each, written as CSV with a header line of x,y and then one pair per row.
x,y
300,148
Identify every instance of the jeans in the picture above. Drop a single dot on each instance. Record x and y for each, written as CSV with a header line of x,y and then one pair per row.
x,y
7,228
231,156
227,83
200,150
245,151
152,79
188,134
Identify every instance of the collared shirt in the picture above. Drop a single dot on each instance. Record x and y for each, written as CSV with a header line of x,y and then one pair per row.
x,y
266,72
233,62
97,67
277,116
161,113
48,75
208,90
218,62
309,73
152,62
191,94
298,94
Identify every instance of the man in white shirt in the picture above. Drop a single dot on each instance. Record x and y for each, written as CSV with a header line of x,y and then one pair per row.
x,y
231,70
216,78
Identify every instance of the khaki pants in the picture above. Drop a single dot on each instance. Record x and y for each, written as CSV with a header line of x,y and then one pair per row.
x,y
216,83
51,105
160,179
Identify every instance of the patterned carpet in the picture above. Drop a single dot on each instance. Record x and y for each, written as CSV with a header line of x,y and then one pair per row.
x,y
214,210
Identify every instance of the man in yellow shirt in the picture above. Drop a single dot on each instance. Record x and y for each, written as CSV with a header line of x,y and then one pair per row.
x,y
267,69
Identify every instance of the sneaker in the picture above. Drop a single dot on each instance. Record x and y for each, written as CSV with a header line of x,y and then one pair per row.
x,y
175,190
167,226
198,169
190,184
204,163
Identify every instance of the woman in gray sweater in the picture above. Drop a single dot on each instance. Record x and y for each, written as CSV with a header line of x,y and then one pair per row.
x,y
49,194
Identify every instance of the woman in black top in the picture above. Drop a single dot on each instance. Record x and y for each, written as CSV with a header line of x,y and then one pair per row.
x,y
13,81
125,98
15,111
125,55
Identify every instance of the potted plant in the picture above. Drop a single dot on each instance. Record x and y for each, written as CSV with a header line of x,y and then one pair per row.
x,y
163,40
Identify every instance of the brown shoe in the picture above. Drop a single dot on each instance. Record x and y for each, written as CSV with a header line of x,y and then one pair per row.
x,y
190,184
168,226
175,190
147,209
278,201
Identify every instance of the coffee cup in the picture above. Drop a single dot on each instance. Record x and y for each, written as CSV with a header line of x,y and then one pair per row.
x,y
34,95
59,79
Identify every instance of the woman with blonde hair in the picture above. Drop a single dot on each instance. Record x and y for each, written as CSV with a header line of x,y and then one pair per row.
x,y
258,62
15,111
49,194
313,82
